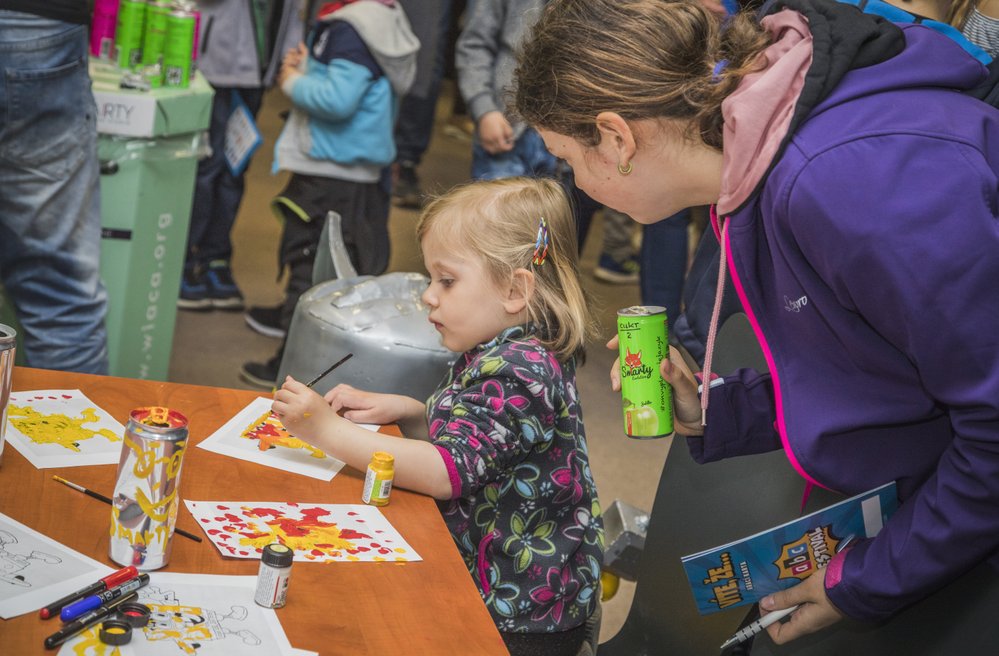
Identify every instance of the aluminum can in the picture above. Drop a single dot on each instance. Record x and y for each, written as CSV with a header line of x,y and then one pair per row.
x,y
647,399
154,34
177,47
274,575
102,28
128,33
8,349
145,502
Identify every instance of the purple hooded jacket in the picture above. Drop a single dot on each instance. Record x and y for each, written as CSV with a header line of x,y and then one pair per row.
x,y
865,252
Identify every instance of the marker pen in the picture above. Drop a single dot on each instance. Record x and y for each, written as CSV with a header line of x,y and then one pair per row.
x,y
106,583
86,620
78,608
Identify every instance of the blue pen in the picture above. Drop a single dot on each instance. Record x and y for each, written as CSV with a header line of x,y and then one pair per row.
x,y
78,608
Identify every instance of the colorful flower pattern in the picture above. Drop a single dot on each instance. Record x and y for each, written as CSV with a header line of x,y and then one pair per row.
x,y
524,511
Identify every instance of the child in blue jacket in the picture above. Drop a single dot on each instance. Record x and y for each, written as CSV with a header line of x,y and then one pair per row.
x,y
345,87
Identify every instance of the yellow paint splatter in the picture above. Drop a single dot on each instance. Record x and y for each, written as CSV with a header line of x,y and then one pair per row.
x,y
57,428
270,432
91,645
189,627
309,536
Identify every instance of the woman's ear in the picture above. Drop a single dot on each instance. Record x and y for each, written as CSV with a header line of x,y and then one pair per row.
x,y
521,290
617,140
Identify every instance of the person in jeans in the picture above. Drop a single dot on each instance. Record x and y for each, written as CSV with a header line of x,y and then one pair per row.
x,y
50,224
240,53
431,20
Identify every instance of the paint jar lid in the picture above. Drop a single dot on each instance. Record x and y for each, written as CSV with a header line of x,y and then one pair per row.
x,y
277,555
382,458
136,614
115,632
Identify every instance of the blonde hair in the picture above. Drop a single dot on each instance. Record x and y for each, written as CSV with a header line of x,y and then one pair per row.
x,y
497,221
958,12
643,59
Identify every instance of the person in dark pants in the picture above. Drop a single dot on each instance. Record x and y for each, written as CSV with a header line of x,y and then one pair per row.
x,y
239,54
344,87
431,20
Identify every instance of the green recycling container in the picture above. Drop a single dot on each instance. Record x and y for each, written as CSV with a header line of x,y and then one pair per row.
x,y
149,145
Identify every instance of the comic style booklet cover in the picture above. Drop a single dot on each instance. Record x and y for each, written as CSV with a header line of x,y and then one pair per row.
x,y
744,571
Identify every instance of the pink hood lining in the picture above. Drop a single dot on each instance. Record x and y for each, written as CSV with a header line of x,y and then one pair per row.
x,y
758,113
757,119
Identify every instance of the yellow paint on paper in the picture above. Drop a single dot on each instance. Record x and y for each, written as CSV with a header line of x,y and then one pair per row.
x,y
91,645
189,627
57,428
270,432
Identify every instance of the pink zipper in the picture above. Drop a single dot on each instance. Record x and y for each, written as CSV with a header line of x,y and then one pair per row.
x,y
767,354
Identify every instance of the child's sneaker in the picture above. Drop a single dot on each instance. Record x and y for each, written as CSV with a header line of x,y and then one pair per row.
x,y
262,374
266,321
222,290
610,270
194,290
407,186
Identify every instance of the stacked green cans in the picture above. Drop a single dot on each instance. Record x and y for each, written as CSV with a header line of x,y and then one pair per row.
x,y
178,46
128,33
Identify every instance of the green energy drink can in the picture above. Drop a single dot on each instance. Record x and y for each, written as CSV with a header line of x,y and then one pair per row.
x,y
128,33
646,397
178,46
155,33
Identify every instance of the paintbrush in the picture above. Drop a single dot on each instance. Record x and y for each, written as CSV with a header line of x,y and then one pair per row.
x,y
101,497
331,368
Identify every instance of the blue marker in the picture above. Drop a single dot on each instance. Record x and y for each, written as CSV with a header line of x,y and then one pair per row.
x,y
78,608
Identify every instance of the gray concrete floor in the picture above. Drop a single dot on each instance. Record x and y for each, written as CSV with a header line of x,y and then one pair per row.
x,y
210,347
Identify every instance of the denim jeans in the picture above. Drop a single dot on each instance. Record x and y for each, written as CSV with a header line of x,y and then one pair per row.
x,y
217,192
50,225
529,157
664,263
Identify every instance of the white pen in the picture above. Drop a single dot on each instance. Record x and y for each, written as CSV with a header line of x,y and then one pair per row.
x,y
753,628
748,631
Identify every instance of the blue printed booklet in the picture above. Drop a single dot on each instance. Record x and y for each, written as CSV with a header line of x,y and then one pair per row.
x,y
745,571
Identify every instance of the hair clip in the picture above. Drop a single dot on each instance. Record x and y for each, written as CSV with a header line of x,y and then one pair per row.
x,y
541,244
716,71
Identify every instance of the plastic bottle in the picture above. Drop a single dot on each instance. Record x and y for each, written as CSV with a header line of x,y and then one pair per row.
x,y
378,481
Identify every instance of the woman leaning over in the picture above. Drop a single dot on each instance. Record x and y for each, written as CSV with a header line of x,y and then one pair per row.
x,y
856,200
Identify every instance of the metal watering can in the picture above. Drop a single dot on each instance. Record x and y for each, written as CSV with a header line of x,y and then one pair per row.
x,y
380,319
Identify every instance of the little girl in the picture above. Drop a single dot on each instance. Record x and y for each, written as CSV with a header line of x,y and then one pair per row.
x,y
501,443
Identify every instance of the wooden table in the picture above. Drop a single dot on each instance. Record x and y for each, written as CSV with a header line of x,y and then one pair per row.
x,y
425,607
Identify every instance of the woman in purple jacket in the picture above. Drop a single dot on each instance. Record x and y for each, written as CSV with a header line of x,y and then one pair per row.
x,y
856,199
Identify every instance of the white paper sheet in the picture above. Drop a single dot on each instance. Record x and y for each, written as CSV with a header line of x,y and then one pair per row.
x,y
243,435
321,532
201,614
62,428
35,570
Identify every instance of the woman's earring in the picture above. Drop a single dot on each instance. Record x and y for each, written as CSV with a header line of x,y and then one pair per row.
x,y
624,170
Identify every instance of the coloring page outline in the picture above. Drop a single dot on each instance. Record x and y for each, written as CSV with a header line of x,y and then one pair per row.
x,y
23,587
196,615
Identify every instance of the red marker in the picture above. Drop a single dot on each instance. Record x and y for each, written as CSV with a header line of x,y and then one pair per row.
x,y
106,583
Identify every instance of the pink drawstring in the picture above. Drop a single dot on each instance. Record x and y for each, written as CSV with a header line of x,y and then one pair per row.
x,y
713,326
